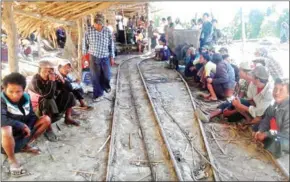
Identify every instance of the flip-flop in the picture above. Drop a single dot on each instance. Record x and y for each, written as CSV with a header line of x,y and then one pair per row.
x,y
33,150
202,116
209,99
17,172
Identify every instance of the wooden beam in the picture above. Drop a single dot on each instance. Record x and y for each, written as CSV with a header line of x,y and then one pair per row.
x,y
46,18
103,5
12,42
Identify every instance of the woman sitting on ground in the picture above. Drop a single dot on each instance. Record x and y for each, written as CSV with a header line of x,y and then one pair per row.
x,y
223,83
190,55
19,124
55,97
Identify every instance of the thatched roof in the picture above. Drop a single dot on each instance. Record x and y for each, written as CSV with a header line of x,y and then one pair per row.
x,y
45,17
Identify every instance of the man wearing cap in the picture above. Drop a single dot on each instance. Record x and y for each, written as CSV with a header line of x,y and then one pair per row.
x,y
64,69
259,97
273,130
269,62
99,44
55,99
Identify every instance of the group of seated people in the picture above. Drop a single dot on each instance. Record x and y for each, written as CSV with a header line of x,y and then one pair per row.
x,y
254,96
26,113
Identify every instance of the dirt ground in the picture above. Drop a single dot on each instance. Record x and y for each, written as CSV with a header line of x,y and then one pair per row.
x,y
77,149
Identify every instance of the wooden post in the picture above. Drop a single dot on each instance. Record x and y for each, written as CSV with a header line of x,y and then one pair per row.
x,y
12,42
125,34
80,38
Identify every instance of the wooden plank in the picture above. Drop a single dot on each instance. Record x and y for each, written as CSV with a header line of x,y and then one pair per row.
x,y
46,18
100,7
81,9
10,26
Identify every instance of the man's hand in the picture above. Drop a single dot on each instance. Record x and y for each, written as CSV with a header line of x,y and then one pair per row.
x,y
209,80
52,77
60,78
260,136
112,61
236,102
192,68
26,131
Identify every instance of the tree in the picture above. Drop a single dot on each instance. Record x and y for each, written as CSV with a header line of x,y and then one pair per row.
x,y
256,18
283,17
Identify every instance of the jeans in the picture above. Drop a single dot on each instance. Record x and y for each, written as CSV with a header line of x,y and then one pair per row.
x,y
237,116
100,69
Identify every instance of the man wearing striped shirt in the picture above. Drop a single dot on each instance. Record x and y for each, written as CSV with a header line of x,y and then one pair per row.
x,y
98,42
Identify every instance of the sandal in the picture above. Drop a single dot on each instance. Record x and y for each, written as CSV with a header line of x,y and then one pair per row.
x,y
29,149
50,136
210,99
18,172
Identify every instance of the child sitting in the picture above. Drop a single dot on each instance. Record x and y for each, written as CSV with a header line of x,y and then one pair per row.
x,y
139,40
164,53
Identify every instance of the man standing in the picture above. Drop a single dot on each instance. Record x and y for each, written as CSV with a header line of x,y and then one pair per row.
x,y
206,32
98,43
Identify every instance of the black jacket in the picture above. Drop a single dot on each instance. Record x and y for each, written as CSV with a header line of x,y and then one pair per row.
x,y
17,114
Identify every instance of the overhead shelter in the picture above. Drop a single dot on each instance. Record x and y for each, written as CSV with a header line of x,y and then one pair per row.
x,y
20,19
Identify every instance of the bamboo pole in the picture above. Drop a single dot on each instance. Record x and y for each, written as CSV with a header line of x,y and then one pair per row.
x,y
80,37
124,26
10,26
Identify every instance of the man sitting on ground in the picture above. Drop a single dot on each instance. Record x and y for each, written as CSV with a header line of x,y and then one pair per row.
x,y
223,83
19,125
245,78
64,69
55,97
273,130
259,97
192,68
208,70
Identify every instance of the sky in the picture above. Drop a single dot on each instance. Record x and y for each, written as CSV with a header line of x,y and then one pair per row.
x,y
224,11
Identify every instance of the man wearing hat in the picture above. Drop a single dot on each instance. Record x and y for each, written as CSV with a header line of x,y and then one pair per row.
x,y
64,68
55,99
259,97
98,42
